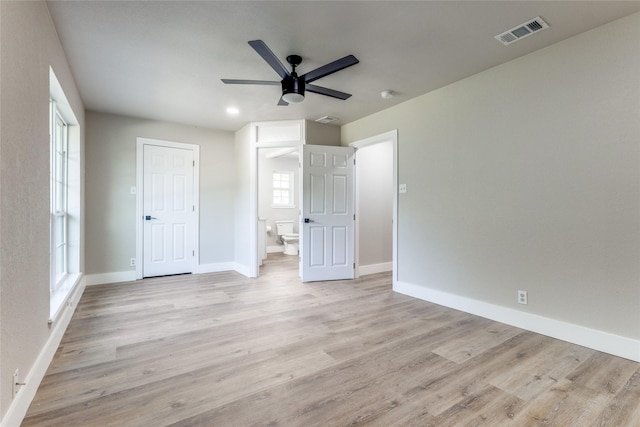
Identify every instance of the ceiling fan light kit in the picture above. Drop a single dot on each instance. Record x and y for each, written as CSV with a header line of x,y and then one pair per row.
x,y
292,97
294,86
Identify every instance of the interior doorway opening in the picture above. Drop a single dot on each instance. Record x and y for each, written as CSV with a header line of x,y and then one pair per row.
x,y
278,203
376,204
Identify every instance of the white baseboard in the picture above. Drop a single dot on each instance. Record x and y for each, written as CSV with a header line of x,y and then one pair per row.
x,y
129,276
224,266
242,269
215,267
275,249
598,340
20,404
363,270
114,277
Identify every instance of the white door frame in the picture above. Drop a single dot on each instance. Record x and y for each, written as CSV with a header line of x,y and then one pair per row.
x,y
253,203
378,139
140,143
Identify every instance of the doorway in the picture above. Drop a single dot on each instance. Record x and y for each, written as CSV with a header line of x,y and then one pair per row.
x,y
278,199
376,204
253,253
167,208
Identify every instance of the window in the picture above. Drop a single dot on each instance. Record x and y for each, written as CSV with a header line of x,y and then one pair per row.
x,y
65,150
59,191
283,190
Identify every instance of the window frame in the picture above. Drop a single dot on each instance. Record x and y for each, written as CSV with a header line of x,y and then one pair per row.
x,y
59,190
288,190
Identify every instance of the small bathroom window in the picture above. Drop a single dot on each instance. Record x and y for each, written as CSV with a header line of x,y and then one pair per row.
x,y
283,190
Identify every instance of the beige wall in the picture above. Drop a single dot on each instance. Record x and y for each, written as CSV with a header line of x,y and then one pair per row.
x,y
526,176
29,47
374,180
111,172
321,134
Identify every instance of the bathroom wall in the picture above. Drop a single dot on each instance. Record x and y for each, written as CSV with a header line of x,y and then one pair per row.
x,y
266,167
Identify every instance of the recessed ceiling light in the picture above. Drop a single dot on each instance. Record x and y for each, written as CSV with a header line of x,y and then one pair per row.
x,y
233,111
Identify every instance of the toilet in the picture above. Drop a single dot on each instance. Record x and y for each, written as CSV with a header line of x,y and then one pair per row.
x,y
288,237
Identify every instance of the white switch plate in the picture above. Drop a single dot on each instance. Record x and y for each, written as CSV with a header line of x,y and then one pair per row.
x,y
403,188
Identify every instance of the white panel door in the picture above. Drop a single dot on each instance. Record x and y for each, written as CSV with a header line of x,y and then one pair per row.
x,y
327,236
169,212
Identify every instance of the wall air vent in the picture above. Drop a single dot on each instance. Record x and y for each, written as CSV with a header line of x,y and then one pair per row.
x,y
521,31
326,119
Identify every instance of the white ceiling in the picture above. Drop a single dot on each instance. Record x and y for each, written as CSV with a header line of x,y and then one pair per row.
x,y
164,60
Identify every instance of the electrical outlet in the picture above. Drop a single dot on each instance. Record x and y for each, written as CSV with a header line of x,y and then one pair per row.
x,y
132,262
403,188
523,297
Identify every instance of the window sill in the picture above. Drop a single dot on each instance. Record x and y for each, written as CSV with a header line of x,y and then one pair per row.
x,y
283,206
62,294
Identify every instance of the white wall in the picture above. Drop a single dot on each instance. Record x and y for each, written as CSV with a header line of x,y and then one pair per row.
x,y
526,176
30,46
242,242
111,172
374,178
266,167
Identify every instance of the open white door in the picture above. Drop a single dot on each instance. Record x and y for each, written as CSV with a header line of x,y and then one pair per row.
x,y
169,211
327,222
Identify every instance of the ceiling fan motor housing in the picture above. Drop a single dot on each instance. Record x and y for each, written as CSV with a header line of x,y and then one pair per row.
x,y
292,84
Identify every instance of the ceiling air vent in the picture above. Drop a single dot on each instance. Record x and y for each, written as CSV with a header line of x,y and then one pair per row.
x,y
522,31
326,119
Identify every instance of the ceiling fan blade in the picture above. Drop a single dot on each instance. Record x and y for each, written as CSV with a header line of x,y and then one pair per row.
x,y
266,54
250,82
282,102
325,91
330,68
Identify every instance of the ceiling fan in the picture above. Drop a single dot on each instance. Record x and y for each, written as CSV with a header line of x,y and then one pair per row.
x,y
294,86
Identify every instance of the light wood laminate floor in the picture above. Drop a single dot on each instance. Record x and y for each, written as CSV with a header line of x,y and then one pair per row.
x,y
223,350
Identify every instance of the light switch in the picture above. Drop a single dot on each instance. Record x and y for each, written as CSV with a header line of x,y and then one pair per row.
x,y
403,188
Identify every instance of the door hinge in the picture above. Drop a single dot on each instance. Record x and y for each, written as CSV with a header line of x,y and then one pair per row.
x,y
193,208
354,265
194,163
354,217
193,252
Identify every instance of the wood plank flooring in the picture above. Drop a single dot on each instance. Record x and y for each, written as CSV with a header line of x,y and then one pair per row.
x,y
223,350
